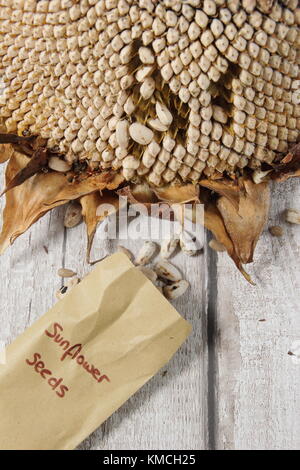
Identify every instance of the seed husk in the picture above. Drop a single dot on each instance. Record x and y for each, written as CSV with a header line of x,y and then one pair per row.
x,y
140,133
176,289
163,114
147,88
260,176
122,134
73,215
188,244
168,271
169,246
64,272
59,165
292,216
276,231
146,253
157,125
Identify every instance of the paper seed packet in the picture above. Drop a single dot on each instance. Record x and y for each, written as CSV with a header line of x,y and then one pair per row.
x,y
75,366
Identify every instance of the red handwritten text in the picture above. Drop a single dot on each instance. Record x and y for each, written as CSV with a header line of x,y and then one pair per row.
x,y
54,383
74,353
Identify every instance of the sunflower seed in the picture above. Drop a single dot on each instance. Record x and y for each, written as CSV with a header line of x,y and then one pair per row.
x,y
276,231
146,55
57,164
157,125
188,244
259,176
140,133
122,249
292,216
166,270
163,114
143,72
122,134
73,215
60,293
147,88
148,272
175,290
146,253
64,272
168,247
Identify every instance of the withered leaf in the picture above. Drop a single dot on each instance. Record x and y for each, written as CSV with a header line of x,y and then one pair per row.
x,y
90,203
6,151
35,164
214,222
245,224
289,166
225,187
13,138
22,144
26,203
178,194
138,193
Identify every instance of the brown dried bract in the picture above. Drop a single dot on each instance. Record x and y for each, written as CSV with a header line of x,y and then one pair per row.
x,y
37,162
289,166
6,151
26,203
90,203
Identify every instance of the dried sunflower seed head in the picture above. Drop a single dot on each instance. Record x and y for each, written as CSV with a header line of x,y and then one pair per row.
x,y
213,85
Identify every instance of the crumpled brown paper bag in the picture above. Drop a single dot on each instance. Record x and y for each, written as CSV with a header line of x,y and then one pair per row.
x,y
85,357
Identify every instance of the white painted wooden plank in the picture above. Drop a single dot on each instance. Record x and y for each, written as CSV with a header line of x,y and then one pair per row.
x,y
170,411
28,270
258,387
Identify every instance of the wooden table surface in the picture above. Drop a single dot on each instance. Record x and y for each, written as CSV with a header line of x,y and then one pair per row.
x,y
232,385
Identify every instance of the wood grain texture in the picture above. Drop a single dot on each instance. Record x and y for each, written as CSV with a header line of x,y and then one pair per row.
x,y
258,387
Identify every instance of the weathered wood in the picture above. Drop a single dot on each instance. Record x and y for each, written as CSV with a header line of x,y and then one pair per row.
x,y
258,387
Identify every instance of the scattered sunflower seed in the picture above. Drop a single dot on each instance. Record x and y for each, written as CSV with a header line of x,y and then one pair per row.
x,y
168,246
60,293
292,216
73,215
64,272
175,290
168,271
188,244
276,231
146,253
